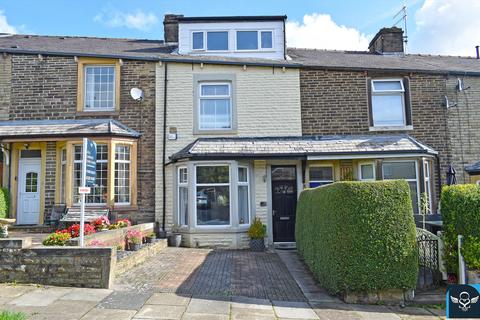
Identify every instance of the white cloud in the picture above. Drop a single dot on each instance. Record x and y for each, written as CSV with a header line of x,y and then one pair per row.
x,y
4,26
446,27
135,20
320,31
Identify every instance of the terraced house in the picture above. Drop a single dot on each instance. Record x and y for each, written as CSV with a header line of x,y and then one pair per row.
x,y
232,124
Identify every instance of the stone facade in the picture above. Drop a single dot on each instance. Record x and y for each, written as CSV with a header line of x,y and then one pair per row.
x,y
267,103
46,88
336,103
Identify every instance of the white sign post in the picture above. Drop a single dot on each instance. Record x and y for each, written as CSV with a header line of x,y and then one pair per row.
x,y
89,158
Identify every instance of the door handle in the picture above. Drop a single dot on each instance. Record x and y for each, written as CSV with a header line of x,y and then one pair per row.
x,y
273,212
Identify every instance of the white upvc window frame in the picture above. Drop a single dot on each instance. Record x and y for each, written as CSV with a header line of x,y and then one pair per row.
x,y
244,184
182,184
364,163
230,185
428,183
417,180
114,102
214,97
399,92
204,39
327,165
259,40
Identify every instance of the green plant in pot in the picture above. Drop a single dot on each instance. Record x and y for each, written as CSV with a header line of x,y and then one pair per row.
x,y
257,233
175,238
134,240
150,237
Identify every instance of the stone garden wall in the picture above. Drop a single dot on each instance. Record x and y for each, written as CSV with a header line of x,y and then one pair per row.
x,y
92,267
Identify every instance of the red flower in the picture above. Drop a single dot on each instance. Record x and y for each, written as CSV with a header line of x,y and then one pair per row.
x,y
74,230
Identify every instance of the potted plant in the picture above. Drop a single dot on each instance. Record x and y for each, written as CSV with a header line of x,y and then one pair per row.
x,y
101,223
175,238
4,223
134,240
257,233
150,237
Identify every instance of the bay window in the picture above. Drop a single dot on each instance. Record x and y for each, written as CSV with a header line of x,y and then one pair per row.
x,y
98,192
213,195
406,170
320,175
122,174
366,171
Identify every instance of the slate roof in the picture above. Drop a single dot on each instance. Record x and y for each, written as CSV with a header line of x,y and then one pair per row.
x,y
301,146
135,49
64,128
473,169
362,60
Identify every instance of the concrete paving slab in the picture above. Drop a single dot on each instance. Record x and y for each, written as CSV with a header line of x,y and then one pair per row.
x,y
437,312
410,311
151,311
374,312
108,314
125,300
199,305
10,291
204,316
85,294
170,299
5,300
247,314
251,303
40,297
294,310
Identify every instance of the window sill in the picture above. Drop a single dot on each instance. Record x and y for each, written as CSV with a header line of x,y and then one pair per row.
x,y
396,128
207,229
214,132
96,113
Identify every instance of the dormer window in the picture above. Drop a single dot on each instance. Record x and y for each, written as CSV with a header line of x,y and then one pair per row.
x,y
254,40
214,40
198,43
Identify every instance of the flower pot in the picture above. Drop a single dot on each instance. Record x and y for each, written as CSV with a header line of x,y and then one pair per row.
x,y
150,239
134,246
174,240
257,245
473,277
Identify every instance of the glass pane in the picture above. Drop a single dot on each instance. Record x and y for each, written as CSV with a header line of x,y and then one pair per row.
x,y
387,85
267,41
213,205
283,173
215,90
367,171
217,40
243,211
182,175
99,87
122,182
321,173
214,174
197,40
399,170
414,195
215,114
31,182
242,174
388,110
183,206
30,154
247,40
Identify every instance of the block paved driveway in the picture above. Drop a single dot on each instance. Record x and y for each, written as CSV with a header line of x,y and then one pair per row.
x,y
184,283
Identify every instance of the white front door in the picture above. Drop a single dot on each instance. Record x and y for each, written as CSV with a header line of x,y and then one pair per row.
x,y
29,191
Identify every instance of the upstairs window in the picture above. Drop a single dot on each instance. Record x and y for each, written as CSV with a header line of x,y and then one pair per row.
x,y
215,106
389,103
99,88
254,40
198,42
217,40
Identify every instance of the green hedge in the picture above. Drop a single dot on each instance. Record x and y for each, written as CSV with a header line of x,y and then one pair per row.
x,y
460,207
4,202
359,236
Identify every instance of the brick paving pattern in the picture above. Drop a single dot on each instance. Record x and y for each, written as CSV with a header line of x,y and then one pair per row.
x,y
222,273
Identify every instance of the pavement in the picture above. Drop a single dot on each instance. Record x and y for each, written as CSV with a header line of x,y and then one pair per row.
x,y
175,284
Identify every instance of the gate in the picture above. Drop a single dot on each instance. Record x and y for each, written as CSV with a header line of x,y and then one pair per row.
x,y
428,258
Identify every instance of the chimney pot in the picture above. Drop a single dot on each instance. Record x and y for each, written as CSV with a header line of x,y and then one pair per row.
x,y
387,40
170,27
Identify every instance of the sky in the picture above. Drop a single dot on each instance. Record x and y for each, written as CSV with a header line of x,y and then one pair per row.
x,y
448,27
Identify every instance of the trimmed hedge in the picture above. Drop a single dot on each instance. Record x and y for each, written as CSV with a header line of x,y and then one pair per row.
x,y
4,202
359,236
460,215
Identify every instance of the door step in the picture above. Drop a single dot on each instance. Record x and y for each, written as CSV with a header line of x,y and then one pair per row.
x,y
285,245
31,228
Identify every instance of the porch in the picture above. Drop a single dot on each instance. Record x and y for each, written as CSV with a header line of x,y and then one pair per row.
x,y
42,166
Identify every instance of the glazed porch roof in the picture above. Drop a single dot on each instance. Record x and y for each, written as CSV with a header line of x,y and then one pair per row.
x,y
64,128
301,147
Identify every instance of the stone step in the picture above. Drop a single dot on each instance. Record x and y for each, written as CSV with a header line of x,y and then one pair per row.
x,y
436,296
31,228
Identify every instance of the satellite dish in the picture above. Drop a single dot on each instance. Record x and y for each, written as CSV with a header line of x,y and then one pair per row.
x,y
137,94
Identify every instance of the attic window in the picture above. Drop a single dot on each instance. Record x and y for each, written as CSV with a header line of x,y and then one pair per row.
x,y
217,40
254,40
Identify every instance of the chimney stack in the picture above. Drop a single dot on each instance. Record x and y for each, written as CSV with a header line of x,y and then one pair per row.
x,y
170,27
387,40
